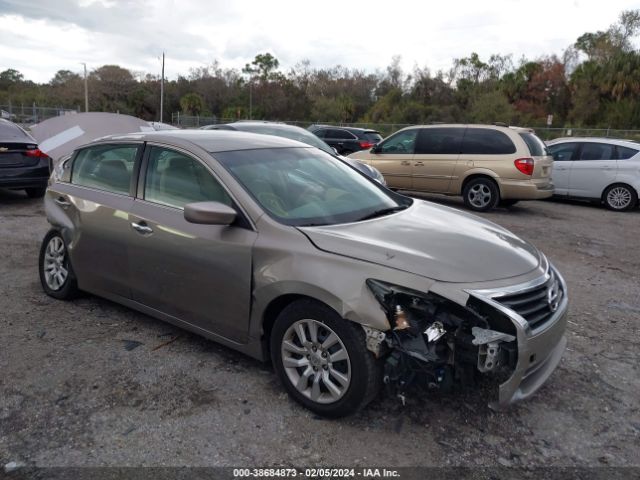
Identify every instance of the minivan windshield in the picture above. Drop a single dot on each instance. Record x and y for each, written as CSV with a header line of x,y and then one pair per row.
x,y
305,186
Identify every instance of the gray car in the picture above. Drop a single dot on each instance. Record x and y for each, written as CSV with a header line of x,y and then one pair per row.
x,y
281,251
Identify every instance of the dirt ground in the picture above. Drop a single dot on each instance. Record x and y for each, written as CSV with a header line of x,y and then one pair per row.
x,y
91,383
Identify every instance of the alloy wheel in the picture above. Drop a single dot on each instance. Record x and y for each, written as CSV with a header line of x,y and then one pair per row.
x,y
54,264
316,361
619,198
479,195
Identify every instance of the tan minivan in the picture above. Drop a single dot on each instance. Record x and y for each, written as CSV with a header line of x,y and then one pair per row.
x,y
488,165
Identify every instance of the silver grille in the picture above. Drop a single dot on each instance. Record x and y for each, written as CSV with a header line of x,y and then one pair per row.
x,y
536,305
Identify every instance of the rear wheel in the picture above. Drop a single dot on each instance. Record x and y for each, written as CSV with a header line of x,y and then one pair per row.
x,y
56,275
322,359
36,192
481,194
620,197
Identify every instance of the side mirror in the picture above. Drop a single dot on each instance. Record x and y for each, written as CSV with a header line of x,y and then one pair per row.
x,y
209,213
376,149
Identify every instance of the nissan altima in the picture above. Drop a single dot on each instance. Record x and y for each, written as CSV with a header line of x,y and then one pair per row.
x,y
283,252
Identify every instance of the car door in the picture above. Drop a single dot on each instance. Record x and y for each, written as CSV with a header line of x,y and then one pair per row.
x,y
199,274
593,170
434,162
628,163
94,207
393,157
564,155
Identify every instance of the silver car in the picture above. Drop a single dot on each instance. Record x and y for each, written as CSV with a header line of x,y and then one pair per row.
x,y
283,252
600,169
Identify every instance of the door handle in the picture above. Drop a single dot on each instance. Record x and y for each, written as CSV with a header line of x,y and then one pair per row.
x,y
405,162
62,202
606,168
419,164
141,227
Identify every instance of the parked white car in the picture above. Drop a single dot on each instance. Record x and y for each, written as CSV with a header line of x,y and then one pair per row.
x,y
597,168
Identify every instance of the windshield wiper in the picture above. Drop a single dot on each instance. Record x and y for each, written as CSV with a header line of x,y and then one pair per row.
x,y
382,212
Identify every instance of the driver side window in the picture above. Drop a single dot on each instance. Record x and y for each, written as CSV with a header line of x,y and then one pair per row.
x,y
402,143
175,179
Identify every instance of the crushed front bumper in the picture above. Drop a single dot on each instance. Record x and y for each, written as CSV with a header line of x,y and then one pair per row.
x,y
539,349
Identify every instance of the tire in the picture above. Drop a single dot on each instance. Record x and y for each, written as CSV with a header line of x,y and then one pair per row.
x,y
53,262
360,372
620,197
481,194
508,203
36,192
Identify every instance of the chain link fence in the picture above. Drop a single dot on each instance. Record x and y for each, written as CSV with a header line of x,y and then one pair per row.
x,y
31,114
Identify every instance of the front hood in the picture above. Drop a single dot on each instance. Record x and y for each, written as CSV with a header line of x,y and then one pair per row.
x,y
433,241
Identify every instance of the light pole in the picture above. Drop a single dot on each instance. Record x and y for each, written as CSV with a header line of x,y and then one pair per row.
x,y
162,91
86,89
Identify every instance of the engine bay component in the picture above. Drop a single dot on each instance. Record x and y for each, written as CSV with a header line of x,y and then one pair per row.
x,y
435,331
482,336
374,340
435,343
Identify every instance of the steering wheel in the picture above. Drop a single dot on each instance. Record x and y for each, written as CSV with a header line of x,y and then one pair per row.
x,y
273,203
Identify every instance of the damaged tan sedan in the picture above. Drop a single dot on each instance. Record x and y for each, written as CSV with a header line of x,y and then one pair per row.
x,y
283,252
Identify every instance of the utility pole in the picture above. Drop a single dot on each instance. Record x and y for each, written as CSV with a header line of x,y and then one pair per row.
x,y
86,89
162,91
250,98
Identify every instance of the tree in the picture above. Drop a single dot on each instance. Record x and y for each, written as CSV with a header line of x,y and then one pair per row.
x,y
264,64
192,103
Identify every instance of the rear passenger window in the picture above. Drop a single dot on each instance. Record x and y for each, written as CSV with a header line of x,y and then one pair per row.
x,y
597,151
175,179
624,152
337,133
485,141
537,148
443,141
105,167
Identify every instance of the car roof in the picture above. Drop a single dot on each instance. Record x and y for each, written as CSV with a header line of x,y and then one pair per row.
x,y
612,141
350,129
210,140
502,127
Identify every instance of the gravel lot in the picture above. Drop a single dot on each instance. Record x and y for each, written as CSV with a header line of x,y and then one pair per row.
x,y
77,389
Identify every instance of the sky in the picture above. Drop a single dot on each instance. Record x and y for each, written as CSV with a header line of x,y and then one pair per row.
x,y
39,38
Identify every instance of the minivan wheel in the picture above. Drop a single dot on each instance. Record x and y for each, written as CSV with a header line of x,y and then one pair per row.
x,y
481,194
56,275
620,197
322,359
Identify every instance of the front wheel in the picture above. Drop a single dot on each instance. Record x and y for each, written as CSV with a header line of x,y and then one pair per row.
x,y
620,197
56,275
322,360
481,194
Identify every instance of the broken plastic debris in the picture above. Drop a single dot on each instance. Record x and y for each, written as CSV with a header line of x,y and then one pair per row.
x,y
435,331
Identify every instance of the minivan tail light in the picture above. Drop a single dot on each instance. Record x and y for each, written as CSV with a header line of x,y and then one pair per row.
x,y
36,152
525,165
365,144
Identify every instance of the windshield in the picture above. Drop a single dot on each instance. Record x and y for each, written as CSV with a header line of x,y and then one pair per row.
x,y
305,186
293,133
